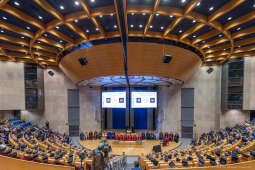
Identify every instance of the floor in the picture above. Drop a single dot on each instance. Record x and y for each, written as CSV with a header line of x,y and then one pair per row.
x,y
131,159
130,148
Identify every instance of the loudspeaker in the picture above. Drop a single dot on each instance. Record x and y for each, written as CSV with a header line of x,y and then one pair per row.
x,y
156,148
167,59
210,70
83,61
51,73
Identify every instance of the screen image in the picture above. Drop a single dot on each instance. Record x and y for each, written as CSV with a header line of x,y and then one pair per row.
x,y
113,99
144,99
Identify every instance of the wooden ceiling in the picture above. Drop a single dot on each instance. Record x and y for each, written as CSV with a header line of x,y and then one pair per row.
x,y
30,36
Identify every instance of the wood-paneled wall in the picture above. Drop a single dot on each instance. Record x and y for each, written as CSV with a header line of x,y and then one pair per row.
x,y
143,59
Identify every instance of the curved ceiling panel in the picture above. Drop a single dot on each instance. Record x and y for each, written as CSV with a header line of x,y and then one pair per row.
x,y
143,59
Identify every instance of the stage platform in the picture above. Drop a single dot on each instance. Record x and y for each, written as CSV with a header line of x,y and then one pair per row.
x,y
130,150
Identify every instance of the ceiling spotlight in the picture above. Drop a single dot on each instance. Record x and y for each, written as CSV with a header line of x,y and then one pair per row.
x,y
151,26
60,41
141,26
111,14
16,3
61,7
57,27
144,13
171,16
22,37
194,21
162,27
254,5
194,36
92,1
45,35
2,31
157,14
180,31
229,18
183,1
76,3
238,28
22,45
198,4
115,26
40,17
131,25
211,8
76,20
132,13
4,18
28,28
220,35
203,41
101,16
39,42
87,31
97,29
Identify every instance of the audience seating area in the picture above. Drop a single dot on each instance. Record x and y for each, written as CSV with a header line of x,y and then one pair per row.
x,y
226,147
24,141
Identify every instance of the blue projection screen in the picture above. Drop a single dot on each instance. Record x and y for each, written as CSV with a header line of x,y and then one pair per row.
x,y
113,99
144,99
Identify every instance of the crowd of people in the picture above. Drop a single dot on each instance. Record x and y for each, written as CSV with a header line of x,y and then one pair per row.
x,y
228,145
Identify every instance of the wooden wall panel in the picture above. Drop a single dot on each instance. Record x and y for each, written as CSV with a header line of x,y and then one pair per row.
x,y
143,59
146,59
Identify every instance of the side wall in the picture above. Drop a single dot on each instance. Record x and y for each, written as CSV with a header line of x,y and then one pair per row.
x,y
207,104
12,92
249,83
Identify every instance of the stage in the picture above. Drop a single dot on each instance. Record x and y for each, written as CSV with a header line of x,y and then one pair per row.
x,y
130,150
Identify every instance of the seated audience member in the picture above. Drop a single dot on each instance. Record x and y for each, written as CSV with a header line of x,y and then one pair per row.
x,y
136,166
176,137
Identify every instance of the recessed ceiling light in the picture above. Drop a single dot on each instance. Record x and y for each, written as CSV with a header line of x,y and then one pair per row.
x,y
151,26
157,14
131,25
180,31
220,35
76,20
61,7
2,31
194,36
132,13
229,18
39,42
171,16
254,5
97,29
76,3
87,31
144,13
239,46
57,27
194,21
115,26
238,28
60,41
111,14
162,27
40,17
22,45
183,1
203,41
22,37
198,4
141,26
17,3
101,16
28,28
211,8
4,18
92,1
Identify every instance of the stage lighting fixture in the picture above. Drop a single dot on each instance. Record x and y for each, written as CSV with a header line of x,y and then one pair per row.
x,y
210,70
51,73
83,61
167,59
